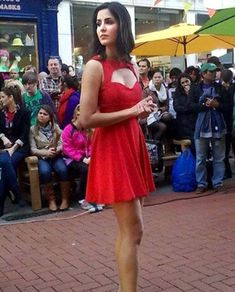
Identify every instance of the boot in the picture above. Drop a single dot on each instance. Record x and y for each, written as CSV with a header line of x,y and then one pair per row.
x,y
49,191
65,195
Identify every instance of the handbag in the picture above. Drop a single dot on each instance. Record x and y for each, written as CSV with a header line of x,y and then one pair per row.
x,y
155,154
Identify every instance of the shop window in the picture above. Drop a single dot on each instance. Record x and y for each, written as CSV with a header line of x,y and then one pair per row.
x,y
18,46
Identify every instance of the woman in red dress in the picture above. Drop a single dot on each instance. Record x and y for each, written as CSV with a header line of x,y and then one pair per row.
x,y
119,171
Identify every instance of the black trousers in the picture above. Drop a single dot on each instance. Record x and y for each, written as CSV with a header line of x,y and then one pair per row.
x,y
80,169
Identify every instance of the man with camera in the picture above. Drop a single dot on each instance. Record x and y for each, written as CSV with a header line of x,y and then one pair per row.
x,y
210,129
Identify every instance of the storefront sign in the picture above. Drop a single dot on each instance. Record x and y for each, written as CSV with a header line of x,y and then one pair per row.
x,y
10,5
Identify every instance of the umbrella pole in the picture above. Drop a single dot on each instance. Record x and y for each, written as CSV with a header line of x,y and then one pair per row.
x,y
185,57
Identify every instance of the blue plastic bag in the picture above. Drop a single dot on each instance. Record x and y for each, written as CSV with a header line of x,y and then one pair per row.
x,y
183,172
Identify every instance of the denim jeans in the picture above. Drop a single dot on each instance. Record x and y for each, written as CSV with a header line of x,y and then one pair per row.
x,y
218,155
8,179
16,158
47,166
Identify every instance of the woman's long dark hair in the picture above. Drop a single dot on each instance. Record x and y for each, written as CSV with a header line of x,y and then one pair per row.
x,y
15,91
125,40
179,88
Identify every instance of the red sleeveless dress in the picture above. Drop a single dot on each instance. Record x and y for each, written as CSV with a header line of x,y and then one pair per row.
x,y
119,169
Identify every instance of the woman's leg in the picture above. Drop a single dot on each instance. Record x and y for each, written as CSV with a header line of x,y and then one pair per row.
x,y
3,169
130,222
60,168
157,130
81,169
45,173
16,158
10,179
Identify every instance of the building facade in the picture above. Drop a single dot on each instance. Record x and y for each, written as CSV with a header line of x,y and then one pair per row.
x,y
28,33
74,22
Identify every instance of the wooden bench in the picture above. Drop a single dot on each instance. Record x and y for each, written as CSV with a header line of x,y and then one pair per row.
x,y
169,159
29,181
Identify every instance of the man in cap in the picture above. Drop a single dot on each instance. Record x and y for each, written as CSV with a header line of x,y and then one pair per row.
x,y
210,129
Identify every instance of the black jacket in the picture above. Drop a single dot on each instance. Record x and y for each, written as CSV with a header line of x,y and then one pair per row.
x,y
187,108
19,129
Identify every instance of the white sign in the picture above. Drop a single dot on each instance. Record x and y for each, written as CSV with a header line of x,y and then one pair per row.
x,y
10,5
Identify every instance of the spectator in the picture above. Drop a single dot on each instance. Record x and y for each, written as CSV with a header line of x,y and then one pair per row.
x,y
46,143
194,74
226,81
215,60
174,75
64,70
158,121
72,71
41,75
14,131
52,83
186,108
30,68
14,74
77,150
69,100
144,72
33,98
210,129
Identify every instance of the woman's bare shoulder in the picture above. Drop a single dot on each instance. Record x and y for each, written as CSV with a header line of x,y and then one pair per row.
x,y
93,69
93,65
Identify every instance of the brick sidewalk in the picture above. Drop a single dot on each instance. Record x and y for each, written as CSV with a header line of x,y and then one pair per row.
x,y
189,245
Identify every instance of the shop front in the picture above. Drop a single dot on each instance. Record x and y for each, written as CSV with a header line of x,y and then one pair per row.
x,y
28,33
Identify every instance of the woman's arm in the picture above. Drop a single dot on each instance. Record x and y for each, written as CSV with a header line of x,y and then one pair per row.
x,y
90,116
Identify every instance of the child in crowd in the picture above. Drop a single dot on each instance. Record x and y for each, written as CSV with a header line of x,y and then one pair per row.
x,y
46,143
77,149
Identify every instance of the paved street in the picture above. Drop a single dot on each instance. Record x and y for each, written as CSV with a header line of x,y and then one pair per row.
x,y
189,245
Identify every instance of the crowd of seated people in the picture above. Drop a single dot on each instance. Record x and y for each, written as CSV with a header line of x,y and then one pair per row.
x,y
200,102
33,114
40,116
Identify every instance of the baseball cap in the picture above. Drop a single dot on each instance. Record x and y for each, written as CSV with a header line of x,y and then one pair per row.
x,y
208,67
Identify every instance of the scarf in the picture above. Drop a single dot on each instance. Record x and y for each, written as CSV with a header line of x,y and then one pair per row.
x,y
46,131
161,94
63,104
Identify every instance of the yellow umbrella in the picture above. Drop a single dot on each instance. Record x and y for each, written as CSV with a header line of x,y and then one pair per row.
x,y
178,40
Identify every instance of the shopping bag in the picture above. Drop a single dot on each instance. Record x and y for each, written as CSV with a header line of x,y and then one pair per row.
x,y
183,172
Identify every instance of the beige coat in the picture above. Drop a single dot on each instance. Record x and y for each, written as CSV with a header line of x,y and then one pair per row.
x,y
40,144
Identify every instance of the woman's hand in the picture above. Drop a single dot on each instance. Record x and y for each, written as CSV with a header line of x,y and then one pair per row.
x,y
86,160
145,107
11,150
6,142
51,152
187,88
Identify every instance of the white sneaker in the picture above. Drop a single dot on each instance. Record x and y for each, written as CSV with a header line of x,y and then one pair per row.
x,y
81,202
86,206
96,208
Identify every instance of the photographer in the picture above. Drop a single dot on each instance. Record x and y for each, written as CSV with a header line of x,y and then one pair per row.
x,y
210,128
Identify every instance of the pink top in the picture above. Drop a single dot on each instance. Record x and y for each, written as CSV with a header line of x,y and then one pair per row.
x,y
76,144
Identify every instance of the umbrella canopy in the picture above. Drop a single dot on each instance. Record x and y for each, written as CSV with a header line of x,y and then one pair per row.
x,y
178,40
222,23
